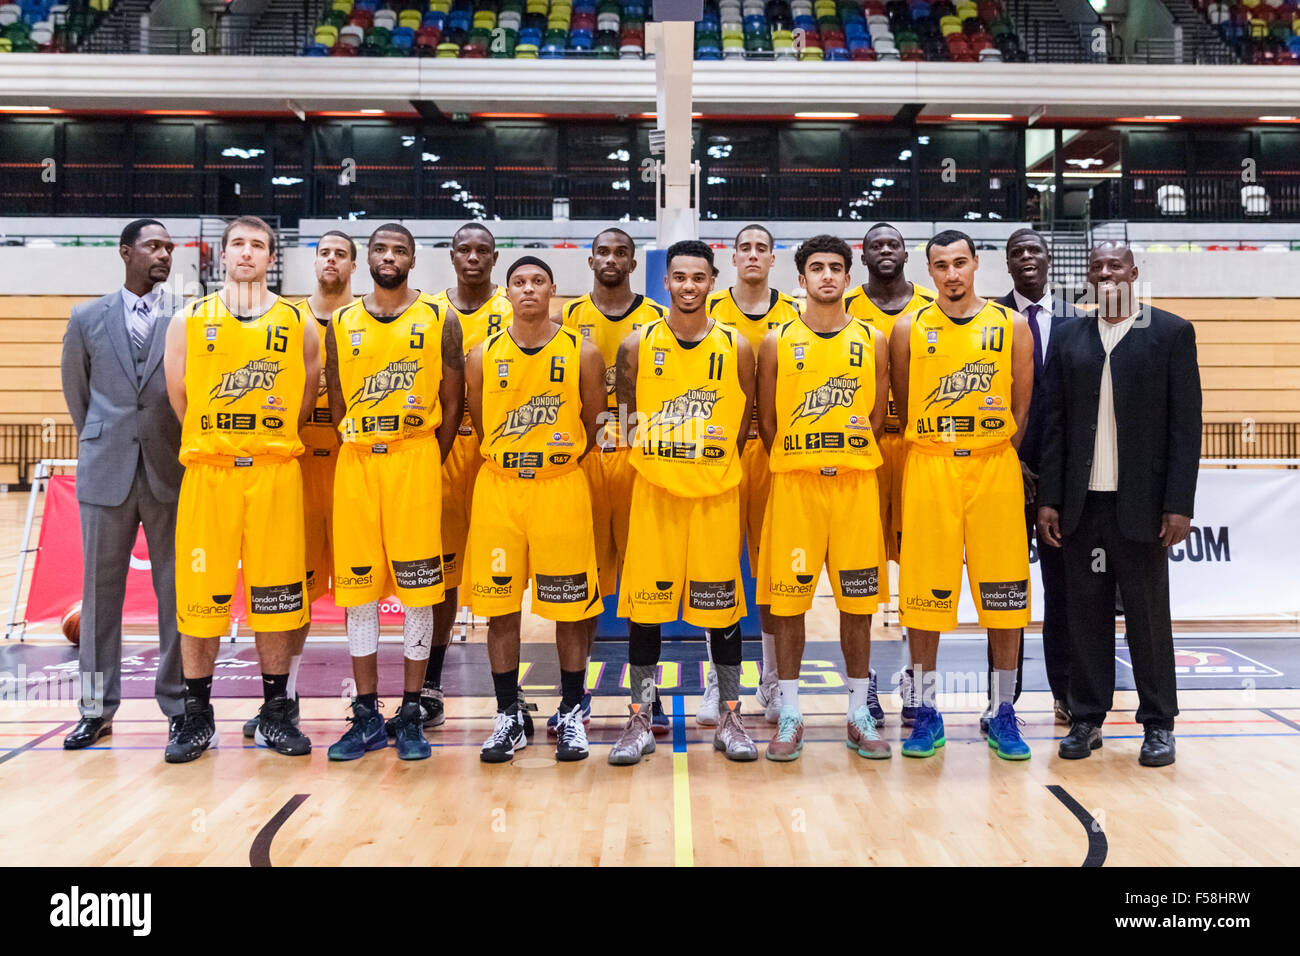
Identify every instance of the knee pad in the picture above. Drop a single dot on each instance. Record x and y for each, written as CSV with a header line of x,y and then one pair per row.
x,y
417,633
363,629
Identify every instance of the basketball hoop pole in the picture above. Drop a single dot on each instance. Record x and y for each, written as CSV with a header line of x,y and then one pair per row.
x,y
42,472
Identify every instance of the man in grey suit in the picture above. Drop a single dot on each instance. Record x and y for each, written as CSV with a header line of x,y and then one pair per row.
x,y
128,472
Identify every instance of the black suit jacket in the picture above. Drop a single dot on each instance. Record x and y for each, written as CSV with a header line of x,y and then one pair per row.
x,y
1031,443
1157,389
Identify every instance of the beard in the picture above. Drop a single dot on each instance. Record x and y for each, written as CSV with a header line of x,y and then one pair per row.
x,y
331,288
395,281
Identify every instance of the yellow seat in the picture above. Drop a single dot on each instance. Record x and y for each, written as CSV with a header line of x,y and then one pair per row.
x,y
327,34
409,18
6,45
343,6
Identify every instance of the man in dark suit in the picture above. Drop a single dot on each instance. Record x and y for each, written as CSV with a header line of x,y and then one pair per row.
x,y
1121,450
1029,261
128,473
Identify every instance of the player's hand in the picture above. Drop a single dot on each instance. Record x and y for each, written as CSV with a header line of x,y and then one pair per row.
x,y
1049,526
1031,482
1173,528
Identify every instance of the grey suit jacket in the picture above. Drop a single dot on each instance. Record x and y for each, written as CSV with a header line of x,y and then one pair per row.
x,y
119,418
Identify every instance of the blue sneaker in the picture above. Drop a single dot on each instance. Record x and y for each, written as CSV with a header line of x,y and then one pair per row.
x,y
1004,735
411,744
365,734
873,699
553,722
927,734
660,725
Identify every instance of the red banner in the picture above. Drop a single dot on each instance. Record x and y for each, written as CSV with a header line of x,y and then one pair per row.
x,y
57,571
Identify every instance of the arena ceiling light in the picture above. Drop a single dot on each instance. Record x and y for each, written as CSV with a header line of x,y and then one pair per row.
x,y
827,116
371,112
982,116
25,109
1279,119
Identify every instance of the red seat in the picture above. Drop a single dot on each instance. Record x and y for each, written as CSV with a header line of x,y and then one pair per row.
x,y
363,18
864,53
342,49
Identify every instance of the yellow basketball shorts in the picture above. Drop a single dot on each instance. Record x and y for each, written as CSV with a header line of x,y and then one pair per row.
x,y
682,548
252,514
318,517
387,523
815,519
974,505
458,474
609,479
893,452
538,529
755,485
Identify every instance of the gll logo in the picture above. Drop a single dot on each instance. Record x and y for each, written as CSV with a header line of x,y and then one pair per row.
x,y
837,392
258,374
394,377
971,377
694,403
538,410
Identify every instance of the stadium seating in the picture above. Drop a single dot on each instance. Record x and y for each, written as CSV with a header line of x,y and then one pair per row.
x,y
45,26
1261,32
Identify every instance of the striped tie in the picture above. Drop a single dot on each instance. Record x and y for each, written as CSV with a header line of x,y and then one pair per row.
x,y
140,324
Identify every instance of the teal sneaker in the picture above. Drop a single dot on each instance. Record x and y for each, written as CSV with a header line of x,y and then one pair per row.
x,y
365,734
863,736
411,743
927,734
787,742
1004,735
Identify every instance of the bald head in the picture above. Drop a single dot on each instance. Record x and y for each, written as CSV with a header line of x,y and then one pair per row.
x,y
1112,248
1111,275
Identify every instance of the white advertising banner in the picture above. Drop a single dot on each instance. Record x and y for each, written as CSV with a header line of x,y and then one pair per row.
x,y
1241,558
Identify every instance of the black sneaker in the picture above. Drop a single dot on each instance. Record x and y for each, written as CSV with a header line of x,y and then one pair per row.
x,y
508,735
250,725
526,715
571,736
196,734
276,731
431,707
411,744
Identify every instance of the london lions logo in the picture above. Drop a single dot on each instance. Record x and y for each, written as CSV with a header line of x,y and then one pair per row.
x,y
971,377
257,374
393,377
538,410
694,403
838,392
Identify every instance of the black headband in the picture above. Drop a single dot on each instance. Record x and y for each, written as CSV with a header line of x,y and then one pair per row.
x,y
530,261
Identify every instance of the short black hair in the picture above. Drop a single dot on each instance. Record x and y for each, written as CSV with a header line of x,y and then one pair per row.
x,y
249,222
616,231
396,227
133,229
947,238
763,229
689,247
1028,233
471,226
340,234
882,225
822,243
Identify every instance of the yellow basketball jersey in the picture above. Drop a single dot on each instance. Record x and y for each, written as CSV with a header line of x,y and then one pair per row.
x,y
858,305
825,390
959,385
319,432
780,310
390,372
244,381
532,406
607,332
691,409
489,318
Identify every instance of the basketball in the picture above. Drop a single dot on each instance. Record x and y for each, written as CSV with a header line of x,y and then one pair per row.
x,y
71,623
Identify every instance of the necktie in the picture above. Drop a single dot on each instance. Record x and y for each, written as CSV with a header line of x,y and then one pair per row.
x,y
140,325
1032,314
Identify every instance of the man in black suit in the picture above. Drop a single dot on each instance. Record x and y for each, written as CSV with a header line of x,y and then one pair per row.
x,y
1029,262
1121,450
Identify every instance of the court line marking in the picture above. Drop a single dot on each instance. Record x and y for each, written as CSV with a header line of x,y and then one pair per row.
x,y
259,854
1278,717
683,842
32,744
1097,843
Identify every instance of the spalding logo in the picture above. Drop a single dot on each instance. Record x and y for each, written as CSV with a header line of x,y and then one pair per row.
x,y
560,459
713,451
991,423
270,421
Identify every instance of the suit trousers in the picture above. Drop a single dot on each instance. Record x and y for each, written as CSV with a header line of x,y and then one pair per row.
x,y
1097,559
107,536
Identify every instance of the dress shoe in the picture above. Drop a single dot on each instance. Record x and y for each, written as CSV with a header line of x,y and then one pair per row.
x,y
1061,712
174,725
1157,747
1081,741
87,731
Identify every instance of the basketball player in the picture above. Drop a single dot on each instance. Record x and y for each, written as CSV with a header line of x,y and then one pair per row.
x,y
536,392
963,372
336,260
243,369
395,372
604,317
886,295
823,386
754,308
691,379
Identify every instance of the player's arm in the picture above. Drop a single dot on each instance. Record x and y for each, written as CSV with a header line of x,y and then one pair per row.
x,y
881,408
75,368
591,386
766,386
745,370
625,372
451,391
900,366
333,385
174,364
474,387
1022,375
311,360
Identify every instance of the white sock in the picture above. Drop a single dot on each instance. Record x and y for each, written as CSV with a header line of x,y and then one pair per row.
x,y
292,690
858,693
769,655
790,695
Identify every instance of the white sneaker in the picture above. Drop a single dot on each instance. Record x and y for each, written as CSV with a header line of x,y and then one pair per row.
x,y
768,696
707,715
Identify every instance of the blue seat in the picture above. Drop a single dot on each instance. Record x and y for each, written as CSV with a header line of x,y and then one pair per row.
x,y
316,49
